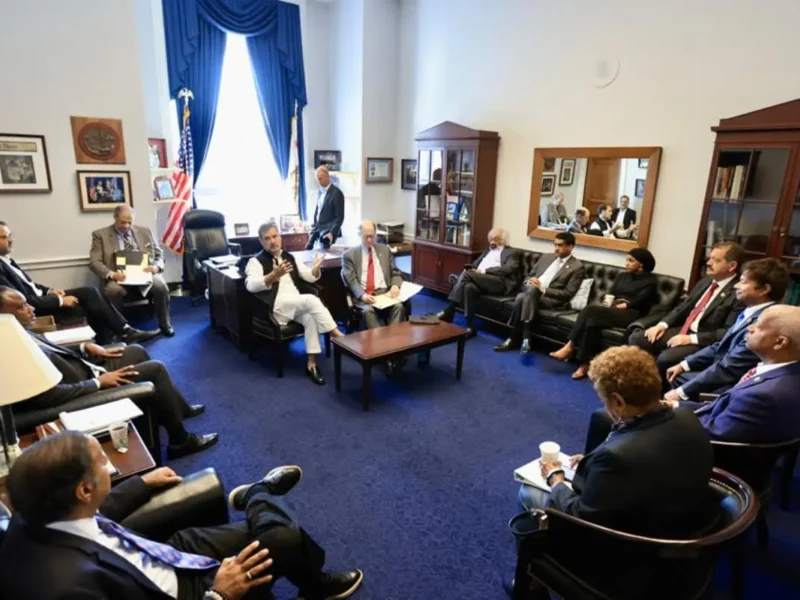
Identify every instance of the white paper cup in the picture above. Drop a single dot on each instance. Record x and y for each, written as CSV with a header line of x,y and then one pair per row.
x,y
608,300
119,436
550,452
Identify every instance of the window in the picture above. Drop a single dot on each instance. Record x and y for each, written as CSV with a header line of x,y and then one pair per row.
x,y
239,178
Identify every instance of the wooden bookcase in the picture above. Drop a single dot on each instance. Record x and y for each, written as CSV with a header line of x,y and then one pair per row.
x,y
753,192
456,173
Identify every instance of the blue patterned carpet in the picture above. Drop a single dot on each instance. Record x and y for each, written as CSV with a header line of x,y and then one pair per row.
x,y
417,492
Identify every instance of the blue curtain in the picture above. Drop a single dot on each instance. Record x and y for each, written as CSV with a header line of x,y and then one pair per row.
x,y
195,35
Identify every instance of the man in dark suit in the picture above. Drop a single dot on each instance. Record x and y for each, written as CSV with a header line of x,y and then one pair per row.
x,y
89,367
496,271
64,304
64,540
580,224
328,213
717,367
703,317
555,279
624,218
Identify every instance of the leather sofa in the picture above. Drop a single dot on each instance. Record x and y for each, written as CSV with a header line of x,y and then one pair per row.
x,y
555,325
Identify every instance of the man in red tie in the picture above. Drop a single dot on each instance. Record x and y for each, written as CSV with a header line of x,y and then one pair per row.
x,y
703,317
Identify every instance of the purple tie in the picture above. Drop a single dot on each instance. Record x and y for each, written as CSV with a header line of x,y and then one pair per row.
x,y
161,552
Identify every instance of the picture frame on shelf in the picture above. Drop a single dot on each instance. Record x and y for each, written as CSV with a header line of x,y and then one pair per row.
x,y
452,210
163,188
548,185
158,153
104,190
24,167
98,140
549,165
566,175
379,170
241,229
332,159
639,188
408,173
290,223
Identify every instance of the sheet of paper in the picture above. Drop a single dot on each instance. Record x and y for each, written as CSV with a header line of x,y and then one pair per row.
x,y
228,259
531,474
408,289
98,418
75,335
385,301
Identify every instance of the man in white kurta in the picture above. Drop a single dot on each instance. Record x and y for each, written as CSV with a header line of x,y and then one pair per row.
x,y
289,303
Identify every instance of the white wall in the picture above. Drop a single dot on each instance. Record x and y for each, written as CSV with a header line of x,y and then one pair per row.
x,y
525,69
58,71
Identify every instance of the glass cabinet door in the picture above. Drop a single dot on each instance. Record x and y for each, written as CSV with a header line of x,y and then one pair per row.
x,y
429,195
789,245
459,196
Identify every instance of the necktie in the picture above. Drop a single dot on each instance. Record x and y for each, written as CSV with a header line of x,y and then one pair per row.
x,y
699,308
747,376
370,274
160,552
126,239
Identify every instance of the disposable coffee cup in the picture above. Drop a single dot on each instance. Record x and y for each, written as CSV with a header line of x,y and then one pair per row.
x,y
119,436
550,452
608,300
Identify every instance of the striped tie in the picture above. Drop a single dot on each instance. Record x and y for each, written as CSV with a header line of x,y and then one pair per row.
x,y
747,376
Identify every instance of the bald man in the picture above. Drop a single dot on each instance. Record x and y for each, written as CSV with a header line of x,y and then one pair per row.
x,y
124,236
328,212
369,271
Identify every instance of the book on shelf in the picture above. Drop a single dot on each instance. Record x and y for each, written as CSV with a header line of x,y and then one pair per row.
x,y
729,182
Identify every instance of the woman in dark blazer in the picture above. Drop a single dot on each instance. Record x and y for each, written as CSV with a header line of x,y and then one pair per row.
x,y
635,292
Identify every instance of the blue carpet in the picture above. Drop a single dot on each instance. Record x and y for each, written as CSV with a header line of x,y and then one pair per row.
x,y
417,492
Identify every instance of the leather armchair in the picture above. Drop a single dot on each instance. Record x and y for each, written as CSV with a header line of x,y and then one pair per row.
x,y
204,235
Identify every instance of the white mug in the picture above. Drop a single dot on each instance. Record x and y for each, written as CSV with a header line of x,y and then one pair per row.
x,y
608,300
550,452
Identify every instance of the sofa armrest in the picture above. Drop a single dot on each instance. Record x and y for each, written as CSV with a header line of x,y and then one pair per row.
x,y
197,501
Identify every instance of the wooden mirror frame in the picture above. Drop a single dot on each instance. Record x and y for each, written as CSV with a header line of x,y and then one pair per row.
x,y
653,153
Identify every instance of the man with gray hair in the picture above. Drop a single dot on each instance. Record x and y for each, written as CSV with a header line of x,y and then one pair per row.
x,y
496,271
328,212
124,236
285,289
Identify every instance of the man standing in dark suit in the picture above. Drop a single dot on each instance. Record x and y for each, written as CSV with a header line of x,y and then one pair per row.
x,y
719,366
496,271
703,317
555,279
84,301
64,540
328,213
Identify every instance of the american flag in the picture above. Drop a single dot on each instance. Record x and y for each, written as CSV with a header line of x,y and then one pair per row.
x,y
182,184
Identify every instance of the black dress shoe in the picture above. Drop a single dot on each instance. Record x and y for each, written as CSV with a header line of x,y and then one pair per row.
x,y
446,315
507,346
194,410
279,482
336,586
526,347
135,336
168,331
315,376
471,333
195,443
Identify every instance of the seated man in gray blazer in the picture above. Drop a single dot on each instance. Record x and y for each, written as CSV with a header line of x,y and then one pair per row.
x,y
123,235
555,279
368,270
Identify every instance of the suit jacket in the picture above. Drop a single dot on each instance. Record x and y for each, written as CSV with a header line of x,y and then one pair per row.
x,y
330,217
509,268
556,213
46,564
649,477
565,284
719,316
629,218
762,409
10,279
575,227
353,263
602,226
105,244
722,363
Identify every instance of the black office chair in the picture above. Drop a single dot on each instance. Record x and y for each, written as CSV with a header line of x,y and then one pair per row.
x,y
668,568
204,235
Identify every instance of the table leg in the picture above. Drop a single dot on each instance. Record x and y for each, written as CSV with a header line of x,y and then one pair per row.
x,y
366,368
337,367
460,356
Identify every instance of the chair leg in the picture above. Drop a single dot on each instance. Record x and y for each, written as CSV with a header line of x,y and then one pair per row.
x,y
787,475
737,569
281,352
327,339
762,532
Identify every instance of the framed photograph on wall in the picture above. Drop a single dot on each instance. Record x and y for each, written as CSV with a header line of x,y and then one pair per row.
x,y
639,189
379,170
548,184
163,188
241,229
644,163
549,165
23,163
158,153
328,158
104,190
567,174
408,171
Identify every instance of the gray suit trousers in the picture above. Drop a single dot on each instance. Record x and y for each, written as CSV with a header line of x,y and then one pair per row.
x,y
374,317
116,293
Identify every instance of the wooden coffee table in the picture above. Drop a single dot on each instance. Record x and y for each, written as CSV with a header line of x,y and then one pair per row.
x,y
393,341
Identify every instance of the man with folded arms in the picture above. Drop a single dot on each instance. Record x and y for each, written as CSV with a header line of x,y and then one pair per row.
x,y
64,540
555,279
65,304
89,367
703,317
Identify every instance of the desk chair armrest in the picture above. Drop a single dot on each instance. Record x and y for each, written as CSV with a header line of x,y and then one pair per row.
x,y
198,501
235,248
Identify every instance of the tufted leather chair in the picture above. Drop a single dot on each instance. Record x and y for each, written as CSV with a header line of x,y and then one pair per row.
x,y
204,235
555,325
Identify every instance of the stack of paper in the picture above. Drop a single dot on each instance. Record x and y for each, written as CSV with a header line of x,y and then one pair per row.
x,y
75,335
98,418
227,259
407,290
531,474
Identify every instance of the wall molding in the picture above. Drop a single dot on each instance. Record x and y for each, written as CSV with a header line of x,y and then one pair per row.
x,y
63,262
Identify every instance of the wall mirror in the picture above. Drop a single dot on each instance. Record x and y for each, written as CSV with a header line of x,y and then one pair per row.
x,y
603,195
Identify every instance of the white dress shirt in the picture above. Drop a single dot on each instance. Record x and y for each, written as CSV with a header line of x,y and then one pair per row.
x,y
380,279
288,294
552,270
321,193
596,227
493,258
621,216
696,323
761,368
163,576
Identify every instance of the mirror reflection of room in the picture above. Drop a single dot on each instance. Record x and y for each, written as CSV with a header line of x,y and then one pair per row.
x,y
593,196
